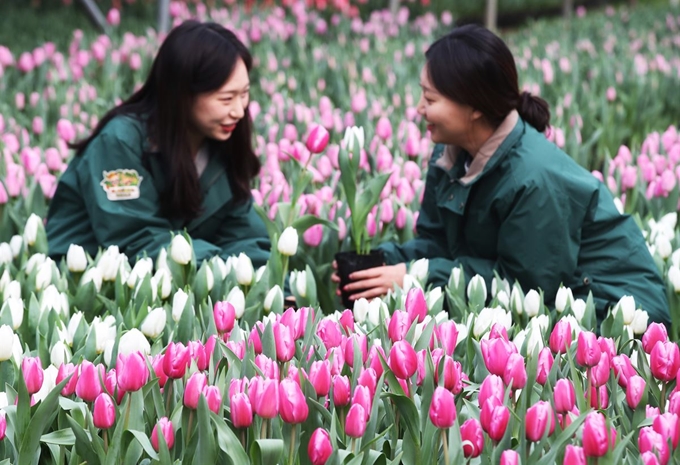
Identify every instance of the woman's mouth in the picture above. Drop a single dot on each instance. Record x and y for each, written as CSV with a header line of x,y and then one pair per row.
x,y
430,127
228,128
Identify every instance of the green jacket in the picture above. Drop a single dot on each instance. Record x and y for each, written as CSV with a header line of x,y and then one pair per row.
x,y
533,215
95,206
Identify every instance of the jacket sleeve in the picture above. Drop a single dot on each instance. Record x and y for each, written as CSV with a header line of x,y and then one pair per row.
x,y
244,232
430,242
538,242
134,225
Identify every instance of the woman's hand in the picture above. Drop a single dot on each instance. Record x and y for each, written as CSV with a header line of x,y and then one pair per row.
x,y
373,282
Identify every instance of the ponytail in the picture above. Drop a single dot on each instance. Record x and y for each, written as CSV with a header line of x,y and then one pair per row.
x,y
534,110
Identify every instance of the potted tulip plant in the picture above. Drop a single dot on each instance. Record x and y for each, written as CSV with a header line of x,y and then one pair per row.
x,y
360,205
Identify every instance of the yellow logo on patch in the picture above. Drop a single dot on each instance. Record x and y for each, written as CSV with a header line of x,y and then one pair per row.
x,y
121,184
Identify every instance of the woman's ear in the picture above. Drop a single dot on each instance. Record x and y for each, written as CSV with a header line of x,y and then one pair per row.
x,y
476,115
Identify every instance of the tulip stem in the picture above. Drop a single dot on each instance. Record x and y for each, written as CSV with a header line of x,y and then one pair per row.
x,y
662,399
263,430
285,271
589,374
446,447
191,420
354,444
291,454
127,412
168,393
106,441
243,438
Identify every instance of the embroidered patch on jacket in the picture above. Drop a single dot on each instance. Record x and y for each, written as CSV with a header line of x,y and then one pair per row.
x,y
121,184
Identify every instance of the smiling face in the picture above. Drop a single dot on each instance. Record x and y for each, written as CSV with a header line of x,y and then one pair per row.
x,y
448,122
214,115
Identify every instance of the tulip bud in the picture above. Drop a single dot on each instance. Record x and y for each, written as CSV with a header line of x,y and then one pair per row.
x,y
639,324
320,377
104,415
496,353
539,420
224,315
166,429
76,259
473,438
273,296
318,139
510,457
292,402
64,371
415,305
442,408
664,361
655,332
565,396
403,361
320,447
33,374
33,225
573,455
285,344
545,364
494,418
179,302
180,250
3,424
651,441
477,289
635,390
355,423
560,338
515,372
241,411
132,371
595,435
175,360
588,350
194,388
492,386
265,397
214,398
341,390
288,242
399,325
666,425
89,386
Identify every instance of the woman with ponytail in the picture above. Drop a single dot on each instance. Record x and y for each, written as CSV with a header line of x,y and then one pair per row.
x,y
175,156
501,198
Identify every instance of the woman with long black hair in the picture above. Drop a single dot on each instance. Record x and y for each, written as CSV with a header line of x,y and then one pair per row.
x,y
176,155
500,197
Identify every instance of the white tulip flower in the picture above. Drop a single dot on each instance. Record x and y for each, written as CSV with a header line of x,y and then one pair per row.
x,y
532,303
31,230
579,309
179,301
17,244
44,276
104,331
163,280
244,270
162,260
142,268
133,341
15,305
288,242
76,261
639,323
6,342
433,296
477,285
260,272
674,277
626,306
17,350
34,261
238,300
299,280
516,303
12,290
5,253
59,354
419,269
154,323
4,280
180,250
73,325
455,274
49,381
273,293
377,311
93,275
360,310
563,298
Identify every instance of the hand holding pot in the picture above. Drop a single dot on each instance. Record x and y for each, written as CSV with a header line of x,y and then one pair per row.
x,y
373,282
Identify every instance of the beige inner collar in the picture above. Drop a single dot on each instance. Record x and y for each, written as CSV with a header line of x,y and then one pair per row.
x,y
486,151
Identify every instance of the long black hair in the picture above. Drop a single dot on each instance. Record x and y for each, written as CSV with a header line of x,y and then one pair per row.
x,y
194,58
473,66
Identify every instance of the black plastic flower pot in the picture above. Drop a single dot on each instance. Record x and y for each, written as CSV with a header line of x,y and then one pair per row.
x,y
349,262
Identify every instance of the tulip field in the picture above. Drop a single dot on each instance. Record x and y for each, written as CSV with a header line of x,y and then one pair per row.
x,y
113,359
